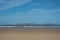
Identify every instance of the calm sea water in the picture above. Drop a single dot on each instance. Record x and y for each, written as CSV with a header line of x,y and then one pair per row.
x,y
30,26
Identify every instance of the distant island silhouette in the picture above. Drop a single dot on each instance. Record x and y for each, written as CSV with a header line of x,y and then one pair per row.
x,y
31,24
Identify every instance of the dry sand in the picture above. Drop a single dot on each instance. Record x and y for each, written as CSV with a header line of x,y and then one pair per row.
x,y
29,34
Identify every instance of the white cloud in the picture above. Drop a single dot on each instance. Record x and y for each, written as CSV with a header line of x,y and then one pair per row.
x,y
44,11
7,4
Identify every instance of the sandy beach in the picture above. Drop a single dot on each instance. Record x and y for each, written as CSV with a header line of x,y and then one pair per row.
x,y
29,34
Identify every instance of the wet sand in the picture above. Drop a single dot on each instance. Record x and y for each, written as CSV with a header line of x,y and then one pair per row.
x,y
29,34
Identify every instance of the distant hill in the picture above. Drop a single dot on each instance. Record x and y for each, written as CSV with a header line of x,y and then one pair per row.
x,y
31,24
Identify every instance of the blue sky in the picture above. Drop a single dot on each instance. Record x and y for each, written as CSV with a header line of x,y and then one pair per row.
x,y
29,11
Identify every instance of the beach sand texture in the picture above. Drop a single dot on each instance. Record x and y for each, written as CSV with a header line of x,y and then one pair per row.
x,y
29,34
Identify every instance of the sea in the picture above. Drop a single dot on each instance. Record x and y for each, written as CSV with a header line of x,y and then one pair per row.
x,y
29,26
